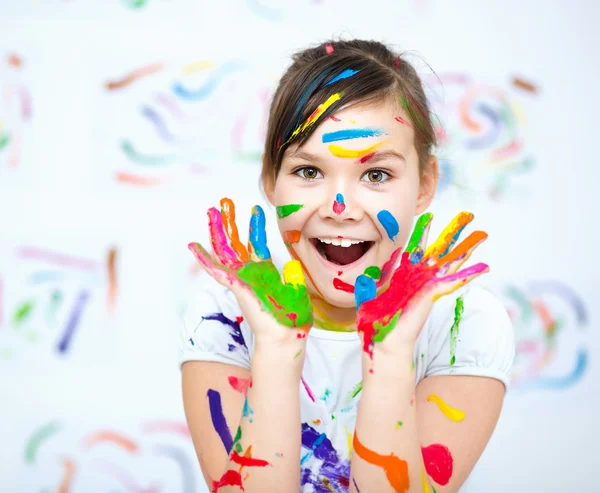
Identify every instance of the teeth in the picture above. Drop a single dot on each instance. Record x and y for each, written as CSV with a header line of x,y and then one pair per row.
x,y
343,242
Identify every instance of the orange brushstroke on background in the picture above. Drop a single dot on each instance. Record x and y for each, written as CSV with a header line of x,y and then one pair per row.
x,y
133,76
14,60
138,180
525,85
67,479
166,426
545,315
396,469
111,436
112,279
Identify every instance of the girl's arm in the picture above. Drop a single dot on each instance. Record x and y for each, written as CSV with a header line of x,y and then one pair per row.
x,y
400,437
254,444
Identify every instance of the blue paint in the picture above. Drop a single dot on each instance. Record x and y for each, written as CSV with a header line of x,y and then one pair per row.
x,y
453,241
389,223
339,198
248,412
211,84
352,133
258,234
365,289
344,75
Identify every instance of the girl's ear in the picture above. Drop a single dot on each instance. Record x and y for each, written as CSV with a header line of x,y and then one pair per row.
x,y
428,185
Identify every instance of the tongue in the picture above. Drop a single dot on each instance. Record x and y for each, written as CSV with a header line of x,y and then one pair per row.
x,y
343,255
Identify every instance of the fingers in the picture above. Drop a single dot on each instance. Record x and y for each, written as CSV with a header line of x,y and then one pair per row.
x,y
292,273
452,282
418,238
459,255
228,217
221,247
257,237
216,271
365,289
448,237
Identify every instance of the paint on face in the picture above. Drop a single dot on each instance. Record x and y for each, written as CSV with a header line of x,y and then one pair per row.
x,y
218,419
342,285
344,75
401,120
364,159
352,133
396,469
389,223
292,236
354,153
438,462
236,331
240,384
286,210
458,312
338,204
449,412
373,272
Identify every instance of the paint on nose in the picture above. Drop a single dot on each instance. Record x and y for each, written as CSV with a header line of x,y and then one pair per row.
x,y
338,204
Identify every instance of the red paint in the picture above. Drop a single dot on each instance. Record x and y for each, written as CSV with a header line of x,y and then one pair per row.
x,y
345,482
335,119
402,120
364,159
387,268
340,236
342,286
230,478
340,272
300,335
396,469
275,304
338,208
239,320
244,461
329,48
292,316
240,384
438,462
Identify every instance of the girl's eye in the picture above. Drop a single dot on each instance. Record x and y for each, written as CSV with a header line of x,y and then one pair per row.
x,y
308,173
375,176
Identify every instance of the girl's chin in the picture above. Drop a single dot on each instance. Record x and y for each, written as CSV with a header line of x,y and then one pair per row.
x,y
335,297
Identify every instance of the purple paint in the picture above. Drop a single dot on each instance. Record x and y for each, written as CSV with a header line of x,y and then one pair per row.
x,y
355,485
218,419
236,333
65,340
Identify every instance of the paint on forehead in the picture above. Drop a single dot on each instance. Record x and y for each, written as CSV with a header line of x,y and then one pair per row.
x,y
286,210
389,223
364,159
338,204
354,153
335,118
438,462
344,75
458,312
450,412
402,120
352,133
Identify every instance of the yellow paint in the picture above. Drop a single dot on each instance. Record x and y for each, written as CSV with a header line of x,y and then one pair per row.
x,y
339,151
317,113
449,412
426,488
349,437
446,238
197,66
292,273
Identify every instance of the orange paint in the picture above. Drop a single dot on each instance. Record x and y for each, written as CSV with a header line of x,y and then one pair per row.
x,y
132,77
465,247
292,236
132,179
112,279
111,436
228,216
396,469
67,479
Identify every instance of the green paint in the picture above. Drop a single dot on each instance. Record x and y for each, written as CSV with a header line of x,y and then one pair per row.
x,y
332,416
373,272
23,312
148,160
236,442
382,330
286,210
417,234
135,4
521,300
298,353
412,364
399,424
36,440
4,140
458,311
422,355
280,300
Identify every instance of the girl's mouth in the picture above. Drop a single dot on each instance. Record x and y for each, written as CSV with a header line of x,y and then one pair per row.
x,y
341,251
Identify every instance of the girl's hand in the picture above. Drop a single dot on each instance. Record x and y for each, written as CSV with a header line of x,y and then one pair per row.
x,y
390,323
277,312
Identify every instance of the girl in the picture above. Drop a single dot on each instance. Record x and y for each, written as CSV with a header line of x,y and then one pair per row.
x,y
345,376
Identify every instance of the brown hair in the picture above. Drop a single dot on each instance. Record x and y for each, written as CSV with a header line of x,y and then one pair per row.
x,y
305,85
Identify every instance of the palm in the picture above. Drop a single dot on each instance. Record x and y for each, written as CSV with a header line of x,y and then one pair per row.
x,y
421,275
249,271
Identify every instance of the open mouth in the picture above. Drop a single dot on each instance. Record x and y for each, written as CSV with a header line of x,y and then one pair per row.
x,y
341,251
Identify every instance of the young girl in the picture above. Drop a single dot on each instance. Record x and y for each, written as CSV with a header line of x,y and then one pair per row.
x,y
345,376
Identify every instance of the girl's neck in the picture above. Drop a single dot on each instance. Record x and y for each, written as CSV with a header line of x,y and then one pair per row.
x,y
331,317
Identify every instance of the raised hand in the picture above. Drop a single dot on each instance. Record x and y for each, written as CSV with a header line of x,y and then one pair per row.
x,y
269,306
421,278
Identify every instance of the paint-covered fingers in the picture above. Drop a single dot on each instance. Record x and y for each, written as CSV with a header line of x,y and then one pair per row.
x,y
226,255
418,238
217,272
365,289
452,282
448,237
292,273
257,236
461,253
230,226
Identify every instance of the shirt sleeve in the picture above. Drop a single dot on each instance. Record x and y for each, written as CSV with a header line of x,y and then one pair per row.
x,y
212,326
472,335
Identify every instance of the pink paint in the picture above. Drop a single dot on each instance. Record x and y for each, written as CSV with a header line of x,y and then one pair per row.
x,y
402,120
342,286
335,119
240,384
338,208
329,48
438,462
308,391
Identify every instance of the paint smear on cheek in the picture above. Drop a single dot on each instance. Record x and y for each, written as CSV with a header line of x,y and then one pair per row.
x,y
342,286
286,210
438,462
458,311
449,412
389,223
338,204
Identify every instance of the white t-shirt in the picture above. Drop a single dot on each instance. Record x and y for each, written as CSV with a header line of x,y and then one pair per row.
x,y
213,330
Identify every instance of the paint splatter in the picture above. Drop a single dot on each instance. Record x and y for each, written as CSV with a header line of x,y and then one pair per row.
x,y
338,204
389,223
398,425
286,210
354,153
344,75
218,419
240,384
247,412
329,48
458,312
449,412
438,462
236,331
352,133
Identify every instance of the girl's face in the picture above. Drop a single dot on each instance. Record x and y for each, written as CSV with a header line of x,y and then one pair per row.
x,y
351,193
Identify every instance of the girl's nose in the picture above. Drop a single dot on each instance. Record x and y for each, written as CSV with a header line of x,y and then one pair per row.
x,y
340,207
